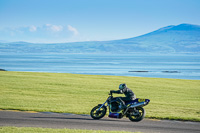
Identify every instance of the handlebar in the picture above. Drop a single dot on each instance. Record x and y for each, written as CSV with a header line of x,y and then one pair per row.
x,y
110,94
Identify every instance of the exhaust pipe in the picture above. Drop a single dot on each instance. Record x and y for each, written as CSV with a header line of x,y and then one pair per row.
x,y
137,105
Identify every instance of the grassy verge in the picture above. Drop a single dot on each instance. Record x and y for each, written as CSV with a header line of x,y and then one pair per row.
x,y
73,93
50,130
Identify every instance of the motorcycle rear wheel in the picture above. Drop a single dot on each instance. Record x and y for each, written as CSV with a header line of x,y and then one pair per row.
x,y
95,114
138,116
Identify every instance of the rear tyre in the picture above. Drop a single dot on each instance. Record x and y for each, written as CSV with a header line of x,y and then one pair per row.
x,y
95,114
137,115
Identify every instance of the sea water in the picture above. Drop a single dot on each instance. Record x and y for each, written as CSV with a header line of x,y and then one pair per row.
x,y
160,66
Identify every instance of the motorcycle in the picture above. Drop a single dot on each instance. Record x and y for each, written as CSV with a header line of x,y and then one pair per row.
x,y
134,109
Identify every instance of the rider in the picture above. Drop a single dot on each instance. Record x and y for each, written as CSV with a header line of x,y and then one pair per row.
x,y
127,92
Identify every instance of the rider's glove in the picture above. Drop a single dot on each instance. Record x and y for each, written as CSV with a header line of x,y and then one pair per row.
x,y
111,92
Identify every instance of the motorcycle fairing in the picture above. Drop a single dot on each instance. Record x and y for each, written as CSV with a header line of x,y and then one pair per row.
x,y
137,100
115,115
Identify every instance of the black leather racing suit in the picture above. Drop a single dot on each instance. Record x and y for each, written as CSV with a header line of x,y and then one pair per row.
x,y
127,92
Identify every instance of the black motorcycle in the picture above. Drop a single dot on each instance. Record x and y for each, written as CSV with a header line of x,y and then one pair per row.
x,y
134,111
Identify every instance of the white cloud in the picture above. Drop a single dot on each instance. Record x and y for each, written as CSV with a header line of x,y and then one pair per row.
x,y
54,28
32,28
44,33
72,29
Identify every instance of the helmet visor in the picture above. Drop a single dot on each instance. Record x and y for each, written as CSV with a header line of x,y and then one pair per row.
x,y
122,86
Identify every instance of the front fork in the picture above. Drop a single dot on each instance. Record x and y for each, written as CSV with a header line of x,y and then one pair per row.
x,y
101,105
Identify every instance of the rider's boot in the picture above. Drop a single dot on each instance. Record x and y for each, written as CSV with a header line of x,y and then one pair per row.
x,y
122,103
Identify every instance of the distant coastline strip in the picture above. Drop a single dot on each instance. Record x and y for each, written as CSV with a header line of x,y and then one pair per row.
x,y
139,71
151,71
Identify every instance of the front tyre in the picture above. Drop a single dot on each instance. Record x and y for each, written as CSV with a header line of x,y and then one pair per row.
x,y
95,114
137,115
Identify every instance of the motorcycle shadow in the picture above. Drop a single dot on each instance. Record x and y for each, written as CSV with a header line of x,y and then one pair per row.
x,y
82,118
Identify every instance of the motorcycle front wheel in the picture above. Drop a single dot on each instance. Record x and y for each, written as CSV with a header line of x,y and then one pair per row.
x,y
137,115
98,114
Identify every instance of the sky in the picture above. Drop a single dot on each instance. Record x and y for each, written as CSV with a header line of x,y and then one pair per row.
x,y
58,21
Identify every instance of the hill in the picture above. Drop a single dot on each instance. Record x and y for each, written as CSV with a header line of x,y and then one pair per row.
x,y
183,38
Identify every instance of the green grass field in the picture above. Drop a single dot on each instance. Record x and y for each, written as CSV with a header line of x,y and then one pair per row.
x,y
74,93
50,130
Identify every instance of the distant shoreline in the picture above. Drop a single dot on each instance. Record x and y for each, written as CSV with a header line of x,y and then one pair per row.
x,y
161,71
2,70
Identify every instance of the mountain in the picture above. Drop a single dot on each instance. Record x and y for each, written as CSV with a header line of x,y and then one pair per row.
x,y
183,38
172,39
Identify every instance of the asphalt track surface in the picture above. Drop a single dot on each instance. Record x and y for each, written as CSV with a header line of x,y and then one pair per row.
x,y
72,121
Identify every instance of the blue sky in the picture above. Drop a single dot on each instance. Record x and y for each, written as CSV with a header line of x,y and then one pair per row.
x,y
50,21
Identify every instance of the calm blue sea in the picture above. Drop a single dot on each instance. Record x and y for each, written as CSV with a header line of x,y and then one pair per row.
x,y
168,66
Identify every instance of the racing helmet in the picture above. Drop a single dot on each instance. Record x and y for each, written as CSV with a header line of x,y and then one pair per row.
x,y
122,86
